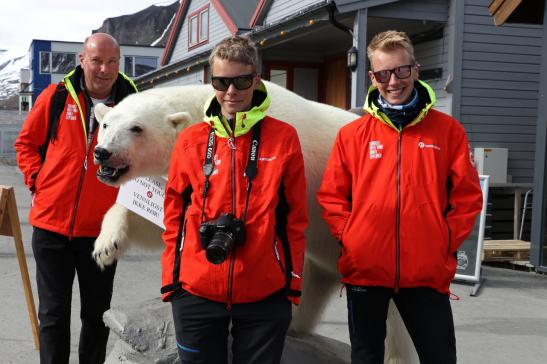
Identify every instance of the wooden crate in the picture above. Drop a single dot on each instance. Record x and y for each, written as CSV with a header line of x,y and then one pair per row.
x,y
505,250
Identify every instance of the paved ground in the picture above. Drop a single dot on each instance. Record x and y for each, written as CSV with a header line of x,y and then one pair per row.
x,y
506,323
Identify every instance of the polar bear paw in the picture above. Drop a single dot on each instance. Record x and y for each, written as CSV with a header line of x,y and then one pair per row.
x,y
108,248
106,251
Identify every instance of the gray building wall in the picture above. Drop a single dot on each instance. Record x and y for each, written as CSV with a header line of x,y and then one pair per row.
x,y
434,54
499,86
193,77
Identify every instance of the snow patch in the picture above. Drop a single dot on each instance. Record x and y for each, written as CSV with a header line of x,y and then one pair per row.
x,y
11,63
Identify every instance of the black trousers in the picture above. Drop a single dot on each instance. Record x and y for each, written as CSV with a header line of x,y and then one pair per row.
x,y
426,313
57,261
258,329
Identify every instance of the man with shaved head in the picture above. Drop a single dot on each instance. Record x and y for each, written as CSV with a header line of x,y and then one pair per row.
x,y
55,155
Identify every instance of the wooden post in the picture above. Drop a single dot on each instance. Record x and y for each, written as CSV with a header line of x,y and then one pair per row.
x,y
9,226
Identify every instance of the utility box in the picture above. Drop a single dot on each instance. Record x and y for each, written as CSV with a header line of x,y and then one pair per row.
x,y
492,162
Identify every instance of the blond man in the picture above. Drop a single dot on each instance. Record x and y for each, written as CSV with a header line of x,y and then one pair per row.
x,y
235,220
401,194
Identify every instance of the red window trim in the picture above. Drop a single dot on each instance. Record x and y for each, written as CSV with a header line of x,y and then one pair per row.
x,y
197,14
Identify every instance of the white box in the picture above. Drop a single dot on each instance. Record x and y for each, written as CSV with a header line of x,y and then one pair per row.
x,y
492,162
144,196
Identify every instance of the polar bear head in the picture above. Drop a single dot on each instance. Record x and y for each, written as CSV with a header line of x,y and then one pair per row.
x,y
136,137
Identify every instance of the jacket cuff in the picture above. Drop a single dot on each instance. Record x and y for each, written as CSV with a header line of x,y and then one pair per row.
x,y
295,290
294,300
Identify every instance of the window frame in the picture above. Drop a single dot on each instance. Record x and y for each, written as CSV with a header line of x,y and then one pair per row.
x,y
199,41
50,62
134,64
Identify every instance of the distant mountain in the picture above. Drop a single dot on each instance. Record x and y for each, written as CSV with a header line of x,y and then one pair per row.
x,y
10,66
150,26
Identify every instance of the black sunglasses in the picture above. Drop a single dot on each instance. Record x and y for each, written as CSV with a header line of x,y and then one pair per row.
x,y
242,82
400,72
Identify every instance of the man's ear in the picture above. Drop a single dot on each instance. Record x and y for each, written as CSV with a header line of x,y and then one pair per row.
x,y
179,120
100,111
417,67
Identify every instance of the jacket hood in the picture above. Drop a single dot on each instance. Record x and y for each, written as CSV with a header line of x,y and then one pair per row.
x,y
424,90
245,120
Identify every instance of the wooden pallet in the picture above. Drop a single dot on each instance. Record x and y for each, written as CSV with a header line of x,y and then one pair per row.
x,y
505,250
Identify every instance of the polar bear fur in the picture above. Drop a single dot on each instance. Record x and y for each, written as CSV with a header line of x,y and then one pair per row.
x,y
139,134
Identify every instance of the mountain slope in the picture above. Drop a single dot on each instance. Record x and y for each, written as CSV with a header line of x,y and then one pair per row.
x,y
10,66
150,26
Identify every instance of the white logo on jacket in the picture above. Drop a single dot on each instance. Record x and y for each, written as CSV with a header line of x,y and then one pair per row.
x,y
422,145
375,149
71,111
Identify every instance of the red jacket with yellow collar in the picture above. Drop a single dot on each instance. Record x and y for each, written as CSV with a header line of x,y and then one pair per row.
x,y
276,216
400,202
68,197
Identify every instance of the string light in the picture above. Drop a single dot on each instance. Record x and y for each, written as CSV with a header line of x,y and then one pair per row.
x,y
282,33
311,21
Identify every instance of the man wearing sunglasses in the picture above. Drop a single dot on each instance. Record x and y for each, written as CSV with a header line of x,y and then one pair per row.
x,y
400,193
235,216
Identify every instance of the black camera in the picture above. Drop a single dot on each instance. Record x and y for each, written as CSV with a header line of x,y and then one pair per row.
x,y
219,236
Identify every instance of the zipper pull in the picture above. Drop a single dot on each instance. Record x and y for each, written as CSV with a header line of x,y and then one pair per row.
x,y
231,143
85,163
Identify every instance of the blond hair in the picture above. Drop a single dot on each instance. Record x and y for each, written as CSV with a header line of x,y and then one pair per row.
x,y
235,49
389,41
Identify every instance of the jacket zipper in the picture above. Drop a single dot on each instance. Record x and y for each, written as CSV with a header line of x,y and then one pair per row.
x,y
80,183
398,217
232,146
277,257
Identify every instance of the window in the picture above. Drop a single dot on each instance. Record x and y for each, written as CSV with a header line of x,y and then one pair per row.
x,y
57,62
528,12
198,27
139,65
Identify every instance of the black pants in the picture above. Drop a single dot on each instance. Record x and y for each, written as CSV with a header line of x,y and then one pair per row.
x,y
258,329
426,313
57,261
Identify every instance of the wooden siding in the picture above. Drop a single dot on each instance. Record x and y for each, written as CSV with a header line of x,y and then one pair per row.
x,y
500,84
193,77
434,54
217,31
281,9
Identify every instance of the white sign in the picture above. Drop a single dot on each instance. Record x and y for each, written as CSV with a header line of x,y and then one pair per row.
x,y
144,196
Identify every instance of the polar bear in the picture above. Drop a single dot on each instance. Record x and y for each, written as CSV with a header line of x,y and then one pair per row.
x,y
136,138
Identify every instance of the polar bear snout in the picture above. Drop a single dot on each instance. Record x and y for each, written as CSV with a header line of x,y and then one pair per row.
x,y
110,169
101,155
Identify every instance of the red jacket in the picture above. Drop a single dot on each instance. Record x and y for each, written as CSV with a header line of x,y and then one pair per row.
x,y
276,217
68,197
400,203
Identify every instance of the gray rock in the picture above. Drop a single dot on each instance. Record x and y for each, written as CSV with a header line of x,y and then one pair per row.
x,y
147,335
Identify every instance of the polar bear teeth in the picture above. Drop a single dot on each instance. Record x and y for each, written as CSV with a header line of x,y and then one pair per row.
x,y
111,172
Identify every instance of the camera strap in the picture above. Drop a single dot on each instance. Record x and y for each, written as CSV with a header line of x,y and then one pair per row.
x,y
250,172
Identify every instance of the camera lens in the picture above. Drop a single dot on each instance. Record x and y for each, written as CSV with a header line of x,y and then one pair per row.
x,y
219,246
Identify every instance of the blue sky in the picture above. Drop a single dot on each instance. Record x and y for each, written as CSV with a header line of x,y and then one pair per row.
x,y
68,20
